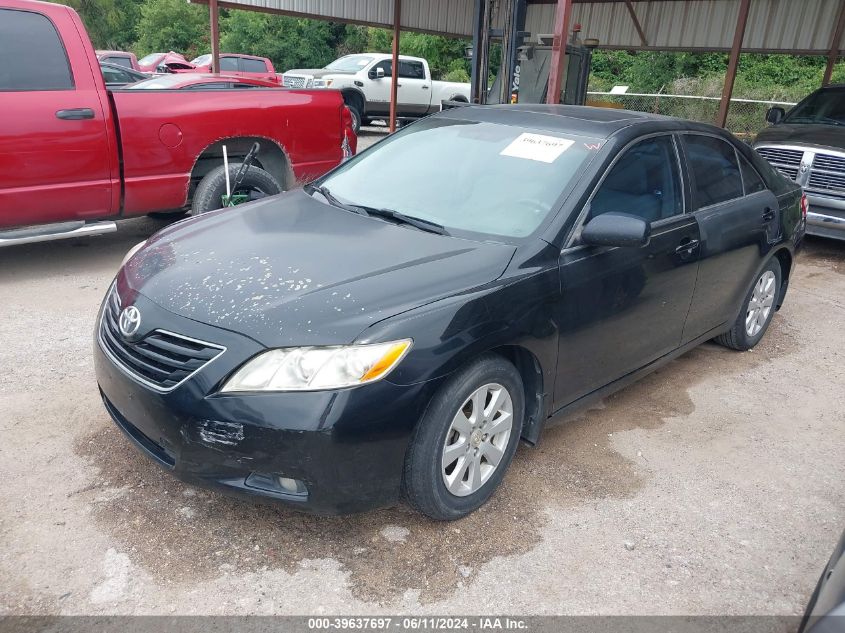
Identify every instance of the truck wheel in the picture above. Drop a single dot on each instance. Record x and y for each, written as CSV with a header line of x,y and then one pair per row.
x,y
256,184
356,118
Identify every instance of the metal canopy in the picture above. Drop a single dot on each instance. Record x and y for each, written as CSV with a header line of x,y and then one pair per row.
x,y
774,26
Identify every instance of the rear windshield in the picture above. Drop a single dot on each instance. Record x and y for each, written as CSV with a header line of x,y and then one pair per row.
x,y
149,59
475,177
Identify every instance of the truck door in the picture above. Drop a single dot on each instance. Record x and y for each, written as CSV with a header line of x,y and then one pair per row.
x,y
56,159
414,92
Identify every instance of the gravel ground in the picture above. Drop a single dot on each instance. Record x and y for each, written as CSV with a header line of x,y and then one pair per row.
x,y
716,485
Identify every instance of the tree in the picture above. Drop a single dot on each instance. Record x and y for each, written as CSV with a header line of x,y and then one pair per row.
x,y
288,42
173,25
110,23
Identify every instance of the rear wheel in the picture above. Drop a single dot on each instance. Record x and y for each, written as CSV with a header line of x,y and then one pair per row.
x,y
465,442
256,184
757,310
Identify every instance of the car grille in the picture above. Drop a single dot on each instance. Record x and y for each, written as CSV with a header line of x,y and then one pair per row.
x,y
786,161
161,360
293,81
826,171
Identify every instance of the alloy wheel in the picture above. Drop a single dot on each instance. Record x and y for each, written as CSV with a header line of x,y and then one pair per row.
x,y
477,439
761,303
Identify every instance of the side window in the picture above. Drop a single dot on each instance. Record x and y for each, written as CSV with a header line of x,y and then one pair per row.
x,y
643,182
387,66
113,75
229,63
253,65
751,179
411,70
714,170
32,56
208,86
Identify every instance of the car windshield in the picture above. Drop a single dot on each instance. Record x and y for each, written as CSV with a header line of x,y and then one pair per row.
x,y
824,106
202,60
350,63
149,59
478,177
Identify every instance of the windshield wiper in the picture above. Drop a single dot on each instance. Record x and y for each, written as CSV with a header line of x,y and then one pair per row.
x,y
401,218
324,191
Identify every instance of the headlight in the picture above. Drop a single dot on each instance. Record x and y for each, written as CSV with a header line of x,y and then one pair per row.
x,y
131,252
317,368
322,83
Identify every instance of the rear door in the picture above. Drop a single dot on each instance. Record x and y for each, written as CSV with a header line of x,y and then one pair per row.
x,y
623,308
230,66
56,156
414,92
739,219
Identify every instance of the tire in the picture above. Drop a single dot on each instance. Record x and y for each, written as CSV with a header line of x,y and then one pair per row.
x,y
745,332
212,188
356,118
427,467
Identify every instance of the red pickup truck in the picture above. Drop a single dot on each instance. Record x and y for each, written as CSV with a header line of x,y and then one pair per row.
x,y
75,156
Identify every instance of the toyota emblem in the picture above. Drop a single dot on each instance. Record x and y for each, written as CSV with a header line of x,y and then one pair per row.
x,y
130,321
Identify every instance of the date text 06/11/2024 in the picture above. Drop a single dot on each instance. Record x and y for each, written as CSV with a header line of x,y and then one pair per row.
x,y
431,623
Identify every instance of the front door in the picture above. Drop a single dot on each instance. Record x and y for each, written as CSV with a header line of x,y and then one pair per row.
x,y
55,154
622,308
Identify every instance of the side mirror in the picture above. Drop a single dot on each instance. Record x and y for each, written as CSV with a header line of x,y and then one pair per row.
x,y
378,73
775,115
617,229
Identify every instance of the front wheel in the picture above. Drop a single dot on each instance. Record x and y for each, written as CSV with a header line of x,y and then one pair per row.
x,y
256,184
757,310
465,442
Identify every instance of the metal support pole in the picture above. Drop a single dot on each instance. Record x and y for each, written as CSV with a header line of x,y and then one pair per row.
x,y
214,19
480,51
733,62
557,64
636,21
835,41
394,73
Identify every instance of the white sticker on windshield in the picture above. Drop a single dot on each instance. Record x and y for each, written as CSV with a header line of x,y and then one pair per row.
x,y
539,147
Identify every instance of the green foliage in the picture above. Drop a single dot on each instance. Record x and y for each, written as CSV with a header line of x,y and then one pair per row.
x,y
445,55
110,23
172,25
775,77
288,42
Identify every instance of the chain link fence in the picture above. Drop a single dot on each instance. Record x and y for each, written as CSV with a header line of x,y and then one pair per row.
x,y
746,117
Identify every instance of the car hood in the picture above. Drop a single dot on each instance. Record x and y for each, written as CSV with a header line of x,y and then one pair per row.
x,y
316,72
291,270
804,134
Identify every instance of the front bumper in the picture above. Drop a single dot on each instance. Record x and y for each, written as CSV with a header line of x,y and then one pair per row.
x,y
826,216
347,447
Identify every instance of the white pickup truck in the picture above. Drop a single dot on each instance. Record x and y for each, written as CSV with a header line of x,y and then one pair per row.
x,y
365,82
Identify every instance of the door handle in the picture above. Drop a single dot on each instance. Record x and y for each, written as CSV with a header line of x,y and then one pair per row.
x,y
687,247
768,214
75,114
425,87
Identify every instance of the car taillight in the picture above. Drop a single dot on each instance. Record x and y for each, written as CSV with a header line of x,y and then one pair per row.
x,y
804,205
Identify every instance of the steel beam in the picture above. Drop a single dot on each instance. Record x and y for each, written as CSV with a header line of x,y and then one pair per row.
x,y
733,62
636,22
394,74
835,42
214,20
557,64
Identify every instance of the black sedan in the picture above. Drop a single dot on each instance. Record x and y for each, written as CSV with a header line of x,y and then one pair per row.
x,y
393,329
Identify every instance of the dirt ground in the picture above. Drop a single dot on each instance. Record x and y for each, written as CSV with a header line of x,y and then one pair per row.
x,y
716,485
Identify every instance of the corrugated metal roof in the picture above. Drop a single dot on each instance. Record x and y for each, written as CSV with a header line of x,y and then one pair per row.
x,y
804,26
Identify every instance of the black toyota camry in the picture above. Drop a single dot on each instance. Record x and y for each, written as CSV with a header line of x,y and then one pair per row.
x,y
393,329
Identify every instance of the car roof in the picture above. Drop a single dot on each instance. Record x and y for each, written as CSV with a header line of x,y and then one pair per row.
x,y
583,120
